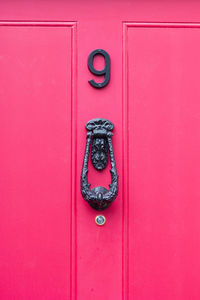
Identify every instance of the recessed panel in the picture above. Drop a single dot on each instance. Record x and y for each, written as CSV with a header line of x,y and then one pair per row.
x,y
35,159
163,111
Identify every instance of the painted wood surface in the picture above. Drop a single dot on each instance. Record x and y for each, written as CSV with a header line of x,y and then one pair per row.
x,y
51,247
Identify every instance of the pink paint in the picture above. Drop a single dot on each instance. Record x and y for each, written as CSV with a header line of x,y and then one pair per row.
x,y
51,247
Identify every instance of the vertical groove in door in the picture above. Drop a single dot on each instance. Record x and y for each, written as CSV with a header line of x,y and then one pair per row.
x,y
125,171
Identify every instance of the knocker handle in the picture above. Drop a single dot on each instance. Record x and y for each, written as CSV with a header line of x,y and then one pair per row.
x,y
99,138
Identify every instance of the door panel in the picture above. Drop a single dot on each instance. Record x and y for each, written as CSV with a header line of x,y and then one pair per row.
x,y
35,155
51,247
162,63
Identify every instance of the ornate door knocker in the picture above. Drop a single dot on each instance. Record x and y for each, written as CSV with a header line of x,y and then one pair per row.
x,y
100,136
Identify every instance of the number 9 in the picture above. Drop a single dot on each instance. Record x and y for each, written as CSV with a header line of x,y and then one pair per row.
x,y
105,71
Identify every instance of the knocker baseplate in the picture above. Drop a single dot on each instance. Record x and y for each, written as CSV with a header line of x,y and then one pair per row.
x,y
99,137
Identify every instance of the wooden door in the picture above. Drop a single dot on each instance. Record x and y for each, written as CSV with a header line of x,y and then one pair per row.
x,y
51,247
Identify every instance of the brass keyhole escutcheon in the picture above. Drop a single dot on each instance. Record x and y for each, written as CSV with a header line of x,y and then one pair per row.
x,y
100,220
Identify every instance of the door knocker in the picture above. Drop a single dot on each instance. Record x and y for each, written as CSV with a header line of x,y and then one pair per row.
x,y
99,136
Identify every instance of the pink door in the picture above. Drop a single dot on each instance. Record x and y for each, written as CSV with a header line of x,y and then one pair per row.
x,y
149,247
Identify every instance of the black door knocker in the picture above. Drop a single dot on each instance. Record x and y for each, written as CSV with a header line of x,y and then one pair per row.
x,y
100,136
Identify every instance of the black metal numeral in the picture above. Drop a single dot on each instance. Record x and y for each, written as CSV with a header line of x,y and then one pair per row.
x,y
105,71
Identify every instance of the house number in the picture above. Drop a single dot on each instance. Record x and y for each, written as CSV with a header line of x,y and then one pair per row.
x,y
105,71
